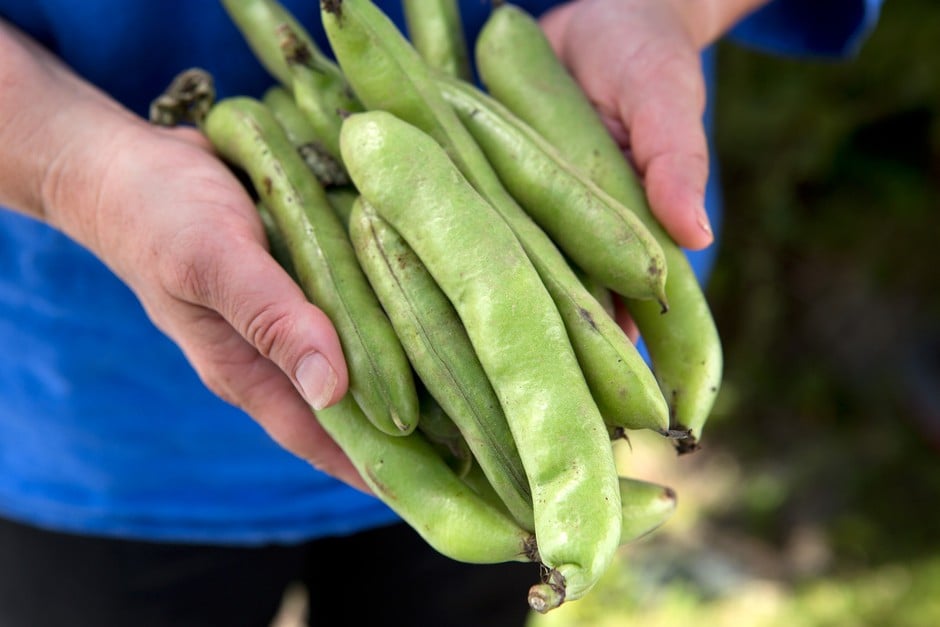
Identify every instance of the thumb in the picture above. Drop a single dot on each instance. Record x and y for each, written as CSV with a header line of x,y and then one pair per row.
x,y
264,305
257,342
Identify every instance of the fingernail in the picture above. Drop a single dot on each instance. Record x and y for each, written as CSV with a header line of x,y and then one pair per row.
x,y
317,380
704,223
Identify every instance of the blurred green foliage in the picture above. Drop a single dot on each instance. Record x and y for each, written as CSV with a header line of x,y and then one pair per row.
x,y
827,290
826,437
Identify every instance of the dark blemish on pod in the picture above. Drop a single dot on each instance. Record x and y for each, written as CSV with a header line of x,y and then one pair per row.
x,y
333,6
587,317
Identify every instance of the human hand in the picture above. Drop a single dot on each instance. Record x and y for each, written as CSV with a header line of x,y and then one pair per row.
x,y
639,63
170,219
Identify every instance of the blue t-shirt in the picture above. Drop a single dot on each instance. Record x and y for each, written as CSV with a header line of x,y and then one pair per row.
x,y
104,427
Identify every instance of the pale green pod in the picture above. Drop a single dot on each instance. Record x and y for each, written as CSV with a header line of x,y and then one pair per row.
x,y
515,330
441,353
245,133
408,475
519,68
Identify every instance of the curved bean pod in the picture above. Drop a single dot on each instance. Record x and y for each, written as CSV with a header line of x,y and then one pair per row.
x,y
440,351
646,506
258,22
342,200
301,133
515,330
520,69
592,228
281,103
245,133
322,96
387,74
276,244
435,29
599,234
438,429
408,475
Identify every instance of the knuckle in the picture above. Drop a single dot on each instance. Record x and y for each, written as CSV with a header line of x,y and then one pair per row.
x,y
267,328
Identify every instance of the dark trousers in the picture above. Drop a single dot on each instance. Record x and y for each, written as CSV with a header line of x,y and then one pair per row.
x,y
388,574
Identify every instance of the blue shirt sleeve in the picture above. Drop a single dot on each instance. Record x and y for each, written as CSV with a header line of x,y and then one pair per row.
x,y
809,28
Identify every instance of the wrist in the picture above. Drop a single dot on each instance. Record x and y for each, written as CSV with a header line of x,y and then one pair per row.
x,y
708,20
55,139
86,150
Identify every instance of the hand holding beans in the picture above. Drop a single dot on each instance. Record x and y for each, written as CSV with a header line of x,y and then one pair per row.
x,y
457,218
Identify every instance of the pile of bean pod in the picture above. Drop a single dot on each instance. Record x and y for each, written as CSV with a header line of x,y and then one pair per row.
x,y
465,242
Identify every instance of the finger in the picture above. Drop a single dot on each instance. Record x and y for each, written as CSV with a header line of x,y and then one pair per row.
x,y
554,24
668,144
240,375
650,94
235,276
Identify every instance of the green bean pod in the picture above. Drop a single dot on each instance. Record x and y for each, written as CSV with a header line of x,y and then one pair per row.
x,y
387,74
438,429
276,244
440,351
515,330
408,475
435,29
259,21
281,103
646,506
301,133
599,234
322,96
342,200
519,68
245,133
596,289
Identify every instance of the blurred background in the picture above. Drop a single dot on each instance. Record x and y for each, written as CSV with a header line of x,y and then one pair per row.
x,y
816,498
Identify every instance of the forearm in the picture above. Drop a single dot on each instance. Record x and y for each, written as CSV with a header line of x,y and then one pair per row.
x,y
51,118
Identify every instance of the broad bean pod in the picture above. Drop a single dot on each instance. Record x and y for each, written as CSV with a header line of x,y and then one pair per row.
x,y
245,133
438,429
327,168
387,74
646,506
515,330
520,69
435,29
441,353
258,21
322,96
599,234
592,228
409,476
